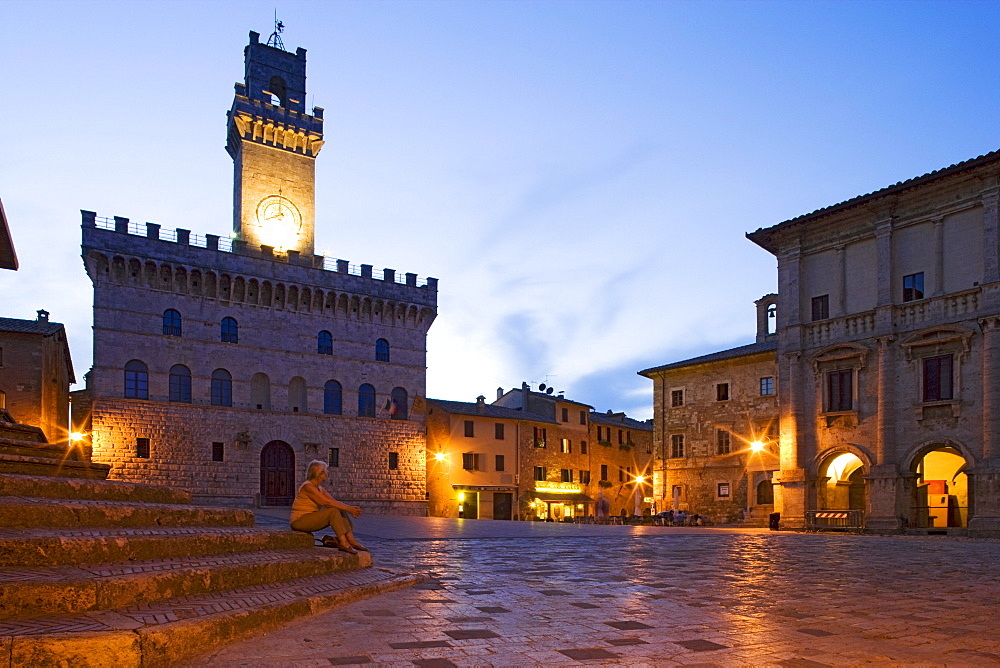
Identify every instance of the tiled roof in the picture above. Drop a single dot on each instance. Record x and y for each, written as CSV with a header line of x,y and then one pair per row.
x,y
620,420
888,190
488,410
770,345
29,326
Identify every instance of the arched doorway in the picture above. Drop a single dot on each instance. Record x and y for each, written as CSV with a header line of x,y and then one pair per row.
x,y
844,487
277,474
765,493
942,489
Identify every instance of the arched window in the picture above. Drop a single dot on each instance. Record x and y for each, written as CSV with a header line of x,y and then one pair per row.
x,y
171,322
297,391
136,380
324,343
382,350
366,401
222,388
230,331
398,409
278,91
260,392
333,398
180,383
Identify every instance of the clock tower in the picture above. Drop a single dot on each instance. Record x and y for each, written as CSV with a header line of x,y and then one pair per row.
x,y
274,144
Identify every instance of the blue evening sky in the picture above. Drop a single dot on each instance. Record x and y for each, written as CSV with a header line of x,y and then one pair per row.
x,y
579,175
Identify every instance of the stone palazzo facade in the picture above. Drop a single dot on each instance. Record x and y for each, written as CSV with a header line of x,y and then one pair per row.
x,y
889,354
223,368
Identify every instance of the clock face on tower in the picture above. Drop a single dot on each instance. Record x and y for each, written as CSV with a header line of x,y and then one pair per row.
x,y
279,221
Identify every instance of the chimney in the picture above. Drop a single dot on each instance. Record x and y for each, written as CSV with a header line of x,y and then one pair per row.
x,y
43,315
480,404
499,393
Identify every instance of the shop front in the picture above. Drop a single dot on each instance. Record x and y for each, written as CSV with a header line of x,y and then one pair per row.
x,y
485,502
560,502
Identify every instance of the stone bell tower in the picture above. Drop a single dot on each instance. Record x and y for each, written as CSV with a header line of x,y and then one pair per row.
x,y
274,144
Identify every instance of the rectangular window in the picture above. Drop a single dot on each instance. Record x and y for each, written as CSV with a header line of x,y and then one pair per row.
x,y
539,437
470,429
218,452
565,446
767,386
540,473
676,446
470,461
621,474
722,490
821,307
938,378
722,392
565,415
676,398
333,458
500,463
393,461
567,475
604,471
621,437
721,442
584,477
498,431
913,287
840,390
142,448
583,447
583,417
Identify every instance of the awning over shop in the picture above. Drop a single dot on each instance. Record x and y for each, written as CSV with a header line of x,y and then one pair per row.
x,y
561,497
484,488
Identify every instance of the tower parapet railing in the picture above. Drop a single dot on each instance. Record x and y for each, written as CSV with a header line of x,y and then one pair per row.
x,y
225,245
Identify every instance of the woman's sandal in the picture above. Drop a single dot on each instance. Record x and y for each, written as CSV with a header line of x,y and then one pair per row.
x,y
330,541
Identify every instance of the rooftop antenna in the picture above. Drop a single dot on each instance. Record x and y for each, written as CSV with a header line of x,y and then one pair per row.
x,y
275,38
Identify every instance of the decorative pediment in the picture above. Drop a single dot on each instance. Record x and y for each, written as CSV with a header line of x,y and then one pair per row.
x,y
943,337
854,353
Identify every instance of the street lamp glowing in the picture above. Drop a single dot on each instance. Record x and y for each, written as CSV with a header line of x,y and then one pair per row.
x,y
76,437
640,479
439,456
756,446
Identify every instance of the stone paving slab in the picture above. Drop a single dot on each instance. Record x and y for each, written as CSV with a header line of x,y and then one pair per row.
x,y
54,547
26,592
165,632
660,599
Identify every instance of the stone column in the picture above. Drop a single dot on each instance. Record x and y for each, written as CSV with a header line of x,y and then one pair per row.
x,y
883,513
991,236
841,283
984,479
790,481
937,288
883,255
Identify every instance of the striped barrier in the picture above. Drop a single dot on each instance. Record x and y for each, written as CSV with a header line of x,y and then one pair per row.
x,y
835,520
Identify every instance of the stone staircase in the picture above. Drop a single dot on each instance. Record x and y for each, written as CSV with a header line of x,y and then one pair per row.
x,y
24,450
99,573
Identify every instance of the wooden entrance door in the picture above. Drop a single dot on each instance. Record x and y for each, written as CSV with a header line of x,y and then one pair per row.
x,y
502,505
277,474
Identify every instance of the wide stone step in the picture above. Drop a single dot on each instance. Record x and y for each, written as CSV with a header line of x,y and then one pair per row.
x,y
17,511
48,466
167,632
28,592
54,547
77,488
35,449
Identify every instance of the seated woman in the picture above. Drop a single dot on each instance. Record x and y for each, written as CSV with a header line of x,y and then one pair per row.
x,y
314,509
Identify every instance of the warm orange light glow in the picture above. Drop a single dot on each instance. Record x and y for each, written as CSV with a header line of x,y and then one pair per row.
x,y
76,437
756,446
439,456
640,479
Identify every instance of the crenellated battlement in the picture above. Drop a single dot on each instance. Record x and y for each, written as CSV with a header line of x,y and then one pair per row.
x,y
176,240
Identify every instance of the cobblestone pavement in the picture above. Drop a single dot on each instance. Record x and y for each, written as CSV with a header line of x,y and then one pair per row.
x,y
506,594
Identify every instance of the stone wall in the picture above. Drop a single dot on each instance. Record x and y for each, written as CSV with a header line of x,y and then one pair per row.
x,y
181,437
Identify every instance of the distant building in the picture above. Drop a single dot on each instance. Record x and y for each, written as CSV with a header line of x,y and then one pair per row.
x,y
531,455
35,374
224,367
716,428
889,354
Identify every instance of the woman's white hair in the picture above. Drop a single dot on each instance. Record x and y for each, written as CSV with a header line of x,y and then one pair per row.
x,y
315,467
